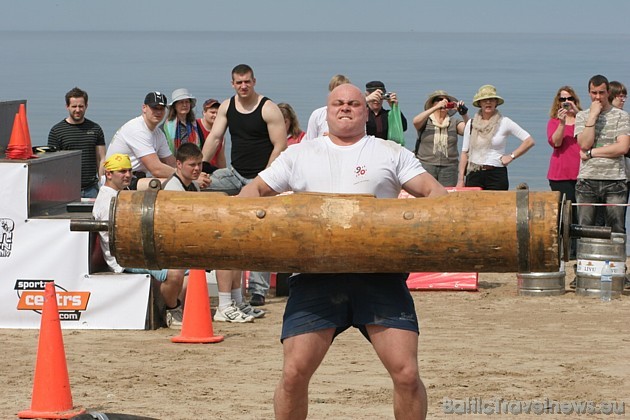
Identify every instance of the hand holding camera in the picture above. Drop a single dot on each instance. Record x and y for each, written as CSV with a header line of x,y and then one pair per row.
x,y
390,97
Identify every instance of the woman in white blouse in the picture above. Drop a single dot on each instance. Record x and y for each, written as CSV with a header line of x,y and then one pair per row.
x,y
484,160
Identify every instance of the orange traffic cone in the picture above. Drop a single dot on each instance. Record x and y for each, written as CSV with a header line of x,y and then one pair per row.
x,y
51,388
25,129
19,146
197,321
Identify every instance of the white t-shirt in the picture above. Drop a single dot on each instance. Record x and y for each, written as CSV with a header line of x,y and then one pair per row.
x,y
100,211
370,166
506,128
317,124
136,140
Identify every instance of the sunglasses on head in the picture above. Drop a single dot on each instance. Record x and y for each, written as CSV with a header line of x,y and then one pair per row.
x,y
568,98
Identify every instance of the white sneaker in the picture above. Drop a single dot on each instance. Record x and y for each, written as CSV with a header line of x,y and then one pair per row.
x,y
248,309
174,317
232,314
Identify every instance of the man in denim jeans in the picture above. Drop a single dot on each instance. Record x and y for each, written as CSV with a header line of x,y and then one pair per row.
x,y
603,133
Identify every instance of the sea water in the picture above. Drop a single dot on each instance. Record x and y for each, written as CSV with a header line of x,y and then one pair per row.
x,y
117,69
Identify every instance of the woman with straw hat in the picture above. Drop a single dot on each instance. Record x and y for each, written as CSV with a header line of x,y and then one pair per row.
x,y
484,160
436,146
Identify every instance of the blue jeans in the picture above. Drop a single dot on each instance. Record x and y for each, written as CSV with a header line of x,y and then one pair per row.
x,y
602,191
159,275
227,180
90,192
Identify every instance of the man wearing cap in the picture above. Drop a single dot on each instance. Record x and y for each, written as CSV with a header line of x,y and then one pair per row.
x,y
145,143
118,177
78,133
258,135
377,123
205,123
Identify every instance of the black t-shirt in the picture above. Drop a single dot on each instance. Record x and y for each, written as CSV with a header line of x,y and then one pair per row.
x,y
84,137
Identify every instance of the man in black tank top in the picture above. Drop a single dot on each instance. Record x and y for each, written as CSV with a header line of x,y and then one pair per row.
x,y
257,132
258,136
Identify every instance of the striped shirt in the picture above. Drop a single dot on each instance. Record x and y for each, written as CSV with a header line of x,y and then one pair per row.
x,y
85,137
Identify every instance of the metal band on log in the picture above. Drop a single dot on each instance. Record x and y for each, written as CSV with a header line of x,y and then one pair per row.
x,y
480,231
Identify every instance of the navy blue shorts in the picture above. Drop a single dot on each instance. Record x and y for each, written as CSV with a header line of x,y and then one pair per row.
x,y
322,301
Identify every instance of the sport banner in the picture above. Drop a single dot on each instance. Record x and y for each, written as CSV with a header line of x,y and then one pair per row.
x,y
38,251
34,252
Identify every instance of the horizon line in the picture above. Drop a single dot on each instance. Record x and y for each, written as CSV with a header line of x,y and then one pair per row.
x,y
319,31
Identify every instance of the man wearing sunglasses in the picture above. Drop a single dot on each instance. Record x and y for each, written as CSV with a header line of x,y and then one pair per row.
x,y
603,134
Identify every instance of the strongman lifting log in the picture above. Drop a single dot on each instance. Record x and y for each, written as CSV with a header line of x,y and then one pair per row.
x,y
482,231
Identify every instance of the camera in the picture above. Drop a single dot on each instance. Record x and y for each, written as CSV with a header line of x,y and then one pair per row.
x,y
386,96
566,105
451,105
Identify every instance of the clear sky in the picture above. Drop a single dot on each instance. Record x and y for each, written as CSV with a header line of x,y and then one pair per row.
x,y
542,16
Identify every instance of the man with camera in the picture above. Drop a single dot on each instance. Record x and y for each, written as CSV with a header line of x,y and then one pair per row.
x,y
377,124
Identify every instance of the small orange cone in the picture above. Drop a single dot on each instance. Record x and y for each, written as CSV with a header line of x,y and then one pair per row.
x,y
51,387
197,321
19,146
25,129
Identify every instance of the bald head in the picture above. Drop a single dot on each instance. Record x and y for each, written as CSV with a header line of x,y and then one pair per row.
x,y
346,114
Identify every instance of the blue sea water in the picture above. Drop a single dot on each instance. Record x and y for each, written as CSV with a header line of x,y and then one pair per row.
x,y
117,69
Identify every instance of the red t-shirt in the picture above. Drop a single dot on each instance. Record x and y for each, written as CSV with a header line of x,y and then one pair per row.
x,y
295,140
213,161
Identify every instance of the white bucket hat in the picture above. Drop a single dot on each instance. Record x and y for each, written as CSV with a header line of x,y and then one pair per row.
x,y
180,94
486,92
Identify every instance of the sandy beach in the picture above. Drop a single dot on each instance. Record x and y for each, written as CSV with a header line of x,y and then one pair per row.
x,y
474,346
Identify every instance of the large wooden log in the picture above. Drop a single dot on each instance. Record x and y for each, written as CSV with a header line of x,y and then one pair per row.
x,y
479,231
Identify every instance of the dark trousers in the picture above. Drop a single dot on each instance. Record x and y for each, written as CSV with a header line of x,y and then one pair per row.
x,y
495,179
567,188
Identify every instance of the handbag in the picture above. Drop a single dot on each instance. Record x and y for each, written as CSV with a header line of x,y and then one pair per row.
x,y
394,125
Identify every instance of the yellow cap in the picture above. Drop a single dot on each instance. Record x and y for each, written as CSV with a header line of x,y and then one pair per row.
x,y
118,162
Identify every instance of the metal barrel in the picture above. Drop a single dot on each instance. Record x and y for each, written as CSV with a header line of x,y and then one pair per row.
x,y
541,284
480,231
591,255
